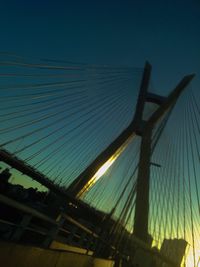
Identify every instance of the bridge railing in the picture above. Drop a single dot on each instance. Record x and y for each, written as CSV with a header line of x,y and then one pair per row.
x,y
33,227
30,225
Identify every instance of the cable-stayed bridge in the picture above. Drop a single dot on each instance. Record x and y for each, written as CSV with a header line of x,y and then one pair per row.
x,y
115,164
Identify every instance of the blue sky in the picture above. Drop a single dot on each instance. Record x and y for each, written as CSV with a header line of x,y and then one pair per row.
x,y
108,32
167,33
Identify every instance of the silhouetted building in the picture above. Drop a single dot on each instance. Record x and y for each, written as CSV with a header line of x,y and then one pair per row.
x,y
174,249
5,175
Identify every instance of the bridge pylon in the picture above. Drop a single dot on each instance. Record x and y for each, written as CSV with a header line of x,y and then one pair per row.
x,y
144,129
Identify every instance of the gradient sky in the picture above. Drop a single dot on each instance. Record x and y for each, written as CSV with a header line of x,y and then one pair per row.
x,y
127,32
167,33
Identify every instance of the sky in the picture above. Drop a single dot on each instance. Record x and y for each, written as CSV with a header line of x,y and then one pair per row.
x,y
166,33
113,32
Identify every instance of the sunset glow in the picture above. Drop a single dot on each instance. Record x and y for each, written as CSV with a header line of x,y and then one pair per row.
x,y
103,169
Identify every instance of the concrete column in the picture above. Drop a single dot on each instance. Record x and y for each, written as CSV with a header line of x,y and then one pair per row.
x,y
142,197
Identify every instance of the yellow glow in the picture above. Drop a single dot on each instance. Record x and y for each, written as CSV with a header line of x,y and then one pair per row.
x,y
188,260
190,257
102,170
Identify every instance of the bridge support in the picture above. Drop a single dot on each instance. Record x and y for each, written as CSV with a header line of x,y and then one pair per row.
x,y
144,129
137,127
142,188
76,188
143,181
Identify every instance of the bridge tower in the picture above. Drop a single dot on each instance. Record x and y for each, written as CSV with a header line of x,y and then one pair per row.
x,y
137,127
144,129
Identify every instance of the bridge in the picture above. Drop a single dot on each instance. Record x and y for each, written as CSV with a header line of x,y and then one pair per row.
x,y
97,168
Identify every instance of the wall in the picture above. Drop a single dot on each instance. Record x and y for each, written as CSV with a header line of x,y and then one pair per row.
x,y
14,255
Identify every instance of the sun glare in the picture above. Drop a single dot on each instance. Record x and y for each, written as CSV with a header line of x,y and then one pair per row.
x,y
190,258
103,169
